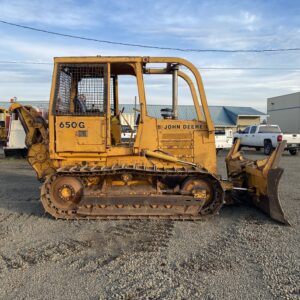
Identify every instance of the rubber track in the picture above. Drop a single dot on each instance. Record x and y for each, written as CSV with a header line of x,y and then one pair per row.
x,y
85,171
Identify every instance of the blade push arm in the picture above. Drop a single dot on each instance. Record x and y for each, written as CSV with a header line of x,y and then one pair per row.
x,y
34,125
36,139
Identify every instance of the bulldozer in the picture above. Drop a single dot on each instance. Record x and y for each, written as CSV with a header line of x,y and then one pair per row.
x,y
4,117
169,169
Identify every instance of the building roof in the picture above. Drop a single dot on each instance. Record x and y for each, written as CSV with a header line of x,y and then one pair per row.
x,y
186,112
233,112
285,95
221,115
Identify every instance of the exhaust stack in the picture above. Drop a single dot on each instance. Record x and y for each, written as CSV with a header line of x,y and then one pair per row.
x,y
175,91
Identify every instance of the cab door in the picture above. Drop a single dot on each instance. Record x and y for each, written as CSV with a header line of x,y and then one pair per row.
x,y
254,140
80,134
245,136
80,108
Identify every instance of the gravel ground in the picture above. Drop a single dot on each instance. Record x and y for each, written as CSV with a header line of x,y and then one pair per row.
x,y
239,254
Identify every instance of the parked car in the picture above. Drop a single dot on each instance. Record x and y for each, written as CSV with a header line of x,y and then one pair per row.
x,y
267,137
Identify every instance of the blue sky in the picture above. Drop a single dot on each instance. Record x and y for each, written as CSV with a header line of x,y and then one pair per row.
x,y
185,24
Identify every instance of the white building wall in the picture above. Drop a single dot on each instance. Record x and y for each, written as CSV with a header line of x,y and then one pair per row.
x,y
285,112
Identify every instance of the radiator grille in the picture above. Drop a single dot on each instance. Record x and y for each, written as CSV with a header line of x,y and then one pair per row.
x,y
177,136
178,144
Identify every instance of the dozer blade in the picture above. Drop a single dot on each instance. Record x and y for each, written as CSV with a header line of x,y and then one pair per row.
x,y
270,203
258,180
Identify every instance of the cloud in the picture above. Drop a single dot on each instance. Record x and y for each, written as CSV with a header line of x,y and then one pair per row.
x,y
243,18
249,88
61,13
184,24
37,50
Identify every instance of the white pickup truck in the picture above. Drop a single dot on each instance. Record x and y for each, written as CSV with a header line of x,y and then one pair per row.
x,y
267,137
292,142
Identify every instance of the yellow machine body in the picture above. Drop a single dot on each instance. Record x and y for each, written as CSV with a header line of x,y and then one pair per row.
x,y
94,143
168,170
3,124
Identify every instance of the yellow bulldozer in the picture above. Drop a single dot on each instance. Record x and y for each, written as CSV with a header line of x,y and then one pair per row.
x,y
169,170
4,114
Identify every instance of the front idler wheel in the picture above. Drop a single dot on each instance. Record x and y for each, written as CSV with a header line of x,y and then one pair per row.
x,y
66,192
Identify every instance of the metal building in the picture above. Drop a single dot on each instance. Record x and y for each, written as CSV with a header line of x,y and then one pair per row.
x,y
285,112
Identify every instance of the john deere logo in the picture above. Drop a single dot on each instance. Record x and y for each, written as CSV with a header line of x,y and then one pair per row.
x,y
178,126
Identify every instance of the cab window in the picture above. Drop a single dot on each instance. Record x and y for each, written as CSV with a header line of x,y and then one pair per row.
x,y
246,130
253,129
80,89
269,129
158,90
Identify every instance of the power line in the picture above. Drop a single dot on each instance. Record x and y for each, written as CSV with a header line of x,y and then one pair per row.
x,y
151,46
250,68
200,68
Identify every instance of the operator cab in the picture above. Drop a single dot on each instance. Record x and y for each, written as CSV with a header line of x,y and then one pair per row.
x,y
86,107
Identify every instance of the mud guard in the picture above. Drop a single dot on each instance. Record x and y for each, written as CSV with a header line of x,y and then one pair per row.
x,y
259,179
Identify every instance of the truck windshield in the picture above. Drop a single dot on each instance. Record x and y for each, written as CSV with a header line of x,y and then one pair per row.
x,y
269,129
219,132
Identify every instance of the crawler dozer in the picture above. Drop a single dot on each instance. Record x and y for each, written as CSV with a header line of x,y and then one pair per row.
x,y
4,115
168,170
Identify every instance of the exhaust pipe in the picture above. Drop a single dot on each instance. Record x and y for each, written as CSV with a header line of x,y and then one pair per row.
x,y
175,91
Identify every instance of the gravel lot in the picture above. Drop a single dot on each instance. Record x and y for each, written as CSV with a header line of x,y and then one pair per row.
x,y
239,254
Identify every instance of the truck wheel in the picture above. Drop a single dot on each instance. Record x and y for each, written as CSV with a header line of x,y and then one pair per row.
x,y
293,151
257,149
268,148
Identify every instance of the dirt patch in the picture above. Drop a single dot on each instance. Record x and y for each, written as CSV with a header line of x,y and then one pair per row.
x,y
239,253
